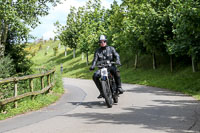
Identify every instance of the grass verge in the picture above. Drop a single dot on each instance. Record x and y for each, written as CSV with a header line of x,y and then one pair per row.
x,y
39,101
181,81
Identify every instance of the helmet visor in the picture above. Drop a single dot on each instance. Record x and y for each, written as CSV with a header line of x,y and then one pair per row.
x,y
102,41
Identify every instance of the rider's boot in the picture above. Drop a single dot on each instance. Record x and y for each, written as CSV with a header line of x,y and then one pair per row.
x,y
120,90
101,93
98,84
100,90
100,96
119,85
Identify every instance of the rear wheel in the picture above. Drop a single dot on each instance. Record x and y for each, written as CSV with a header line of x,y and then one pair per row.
x,y
107,94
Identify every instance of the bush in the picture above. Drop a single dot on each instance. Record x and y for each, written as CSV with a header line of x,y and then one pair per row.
x,y
55,49
58,88
7,68
21,63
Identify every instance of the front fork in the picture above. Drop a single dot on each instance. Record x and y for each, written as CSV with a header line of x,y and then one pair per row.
x,y
111,83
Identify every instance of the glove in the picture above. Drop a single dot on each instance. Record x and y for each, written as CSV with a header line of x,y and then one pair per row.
x,y
118,62
91,68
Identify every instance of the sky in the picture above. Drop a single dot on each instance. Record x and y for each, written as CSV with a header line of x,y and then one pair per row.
x,y
59,13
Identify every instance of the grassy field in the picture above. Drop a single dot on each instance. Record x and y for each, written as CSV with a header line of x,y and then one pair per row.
x,y
181,80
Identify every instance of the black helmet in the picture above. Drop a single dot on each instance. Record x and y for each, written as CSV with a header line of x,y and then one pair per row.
x,y
102,38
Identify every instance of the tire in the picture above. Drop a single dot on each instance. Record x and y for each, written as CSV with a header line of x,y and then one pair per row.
x,y
107,94
114,90
115,98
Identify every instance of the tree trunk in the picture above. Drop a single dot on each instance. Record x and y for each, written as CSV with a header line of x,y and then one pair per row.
x,y
136,61
5,33
82,57
87,59
194,63
2,49
3,39
171,63
1,45
154,61
74,53
65,50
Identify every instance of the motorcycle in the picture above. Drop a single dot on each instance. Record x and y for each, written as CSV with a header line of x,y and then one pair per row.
x,y
109,87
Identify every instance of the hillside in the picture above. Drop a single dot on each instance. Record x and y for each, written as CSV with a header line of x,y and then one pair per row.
x,y
181,80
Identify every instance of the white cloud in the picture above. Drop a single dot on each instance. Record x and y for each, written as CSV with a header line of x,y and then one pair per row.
x,y
106,3
48,34
66,4
59,13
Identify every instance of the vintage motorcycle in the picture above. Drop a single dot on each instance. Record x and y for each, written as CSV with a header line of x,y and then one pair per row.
x,y
109,88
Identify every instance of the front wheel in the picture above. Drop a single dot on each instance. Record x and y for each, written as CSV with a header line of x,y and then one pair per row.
x,y
115,98
107,94
114,90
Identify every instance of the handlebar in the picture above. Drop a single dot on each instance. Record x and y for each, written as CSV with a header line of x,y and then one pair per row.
x,y
105,63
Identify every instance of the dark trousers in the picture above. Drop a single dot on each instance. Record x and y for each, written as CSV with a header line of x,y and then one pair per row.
x,y
113,70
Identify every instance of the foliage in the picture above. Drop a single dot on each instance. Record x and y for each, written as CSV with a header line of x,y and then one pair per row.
x,y
6,67
83,27
185,17
55,49
17,17
146,27
21,63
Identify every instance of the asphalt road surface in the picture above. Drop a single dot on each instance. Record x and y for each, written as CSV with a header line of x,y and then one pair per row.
x,y
140,109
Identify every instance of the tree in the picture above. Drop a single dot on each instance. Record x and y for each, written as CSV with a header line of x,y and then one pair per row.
x,y
83,27
72,29
92,26
17,15
185,18
149,24
60,34
115,26
132,32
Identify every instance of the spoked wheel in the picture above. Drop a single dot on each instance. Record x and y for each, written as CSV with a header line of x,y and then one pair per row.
x,y
107,94
115,91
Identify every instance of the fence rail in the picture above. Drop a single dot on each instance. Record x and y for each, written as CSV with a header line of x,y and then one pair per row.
x,y
15,80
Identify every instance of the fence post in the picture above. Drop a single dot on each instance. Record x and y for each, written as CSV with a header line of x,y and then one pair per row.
x,y
42,82
15,97
49,79
15,92
53,76
61,68
31,87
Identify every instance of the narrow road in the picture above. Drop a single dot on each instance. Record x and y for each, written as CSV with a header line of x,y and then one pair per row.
x,y
140,109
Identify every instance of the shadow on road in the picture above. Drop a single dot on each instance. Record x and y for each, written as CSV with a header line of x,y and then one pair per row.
x,y
167,115
92,105
153,90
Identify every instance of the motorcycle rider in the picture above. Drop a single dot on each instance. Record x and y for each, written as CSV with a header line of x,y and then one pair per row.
x,y
106,52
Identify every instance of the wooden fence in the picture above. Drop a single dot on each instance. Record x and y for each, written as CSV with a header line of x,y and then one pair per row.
x,y
50,83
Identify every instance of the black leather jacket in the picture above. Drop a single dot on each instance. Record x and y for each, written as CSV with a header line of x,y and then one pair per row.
x,y
105,53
